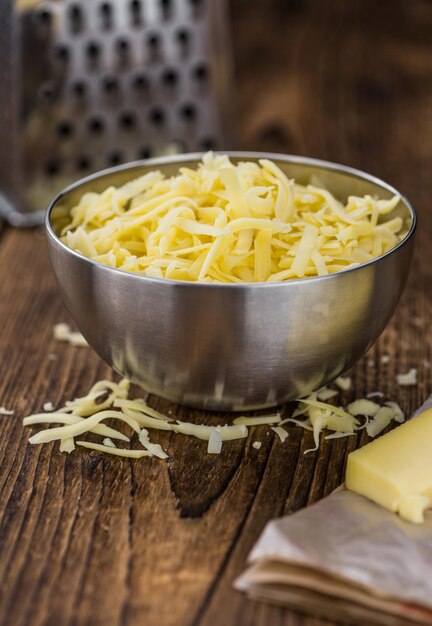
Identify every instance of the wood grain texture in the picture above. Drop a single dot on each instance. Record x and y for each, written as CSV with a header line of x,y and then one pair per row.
x,y
87,540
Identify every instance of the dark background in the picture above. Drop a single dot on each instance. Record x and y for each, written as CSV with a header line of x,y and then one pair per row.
x,y
344,80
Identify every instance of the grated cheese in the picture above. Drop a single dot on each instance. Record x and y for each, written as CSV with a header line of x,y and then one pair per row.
x,y
154,448
131,454
5,411
257,445
374,394
214,442
343,383
338,435
48,406
82,426
62,332
408,379
399,415
258,420
280,432
326,394
363,407
66,418
225,222
109,400
228,433
381,420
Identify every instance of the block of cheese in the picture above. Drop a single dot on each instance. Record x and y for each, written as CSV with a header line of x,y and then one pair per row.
x,y
396,470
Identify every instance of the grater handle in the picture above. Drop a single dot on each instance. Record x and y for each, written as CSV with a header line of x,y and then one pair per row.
x,y
15,218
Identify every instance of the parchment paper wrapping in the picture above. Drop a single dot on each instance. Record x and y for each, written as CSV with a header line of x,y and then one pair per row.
x,y
346,558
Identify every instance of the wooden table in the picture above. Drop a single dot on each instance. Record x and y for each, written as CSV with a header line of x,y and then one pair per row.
x,y
91,540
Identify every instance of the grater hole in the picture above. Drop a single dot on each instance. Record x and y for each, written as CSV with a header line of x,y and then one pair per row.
x,y
144,152
208,143
122,45
183,37
200,72
79,88
140,82
153,42
188,112
169,77
115,158
106,13
135,9
166,9
52,167
127,120
43,18
93,50
65,129
61,52
76,18
106,8
47,92
157,116
96,125
110,84
83,163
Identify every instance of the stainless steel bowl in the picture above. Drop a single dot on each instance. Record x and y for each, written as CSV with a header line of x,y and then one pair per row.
x,y
238,346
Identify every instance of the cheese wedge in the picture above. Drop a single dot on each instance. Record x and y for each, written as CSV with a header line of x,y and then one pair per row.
x,y
395,470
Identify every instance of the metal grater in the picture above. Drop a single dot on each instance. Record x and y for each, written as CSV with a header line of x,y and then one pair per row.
x,y
87,84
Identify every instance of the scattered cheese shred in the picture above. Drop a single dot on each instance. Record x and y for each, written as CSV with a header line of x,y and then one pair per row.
x,y
380,421
326,394
48,406
399,415
66,418
63,332
226,222
408,379
343,383
201,431
363,407
154,448
374,394
258,420
257,445
5,411
67,445
109,400
131,454
280,432
214,442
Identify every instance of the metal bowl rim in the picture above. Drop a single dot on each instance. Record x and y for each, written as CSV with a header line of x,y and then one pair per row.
x,y
197,156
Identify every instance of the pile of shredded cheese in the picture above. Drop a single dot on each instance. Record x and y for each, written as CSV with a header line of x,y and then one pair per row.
x,y
108,400
228,223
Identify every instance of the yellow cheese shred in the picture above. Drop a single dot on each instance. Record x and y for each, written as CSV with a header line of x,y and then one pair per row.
x,y
227,222
281,432
107,400
131,454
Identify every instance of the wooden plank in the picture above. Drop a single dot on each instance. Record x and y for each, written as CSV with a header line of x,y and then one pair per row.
x,y
89,540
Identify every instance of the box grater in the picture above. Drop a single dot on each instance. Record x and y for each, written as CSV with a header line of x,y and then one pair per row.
x,y
87,84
